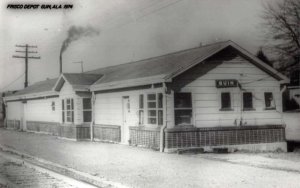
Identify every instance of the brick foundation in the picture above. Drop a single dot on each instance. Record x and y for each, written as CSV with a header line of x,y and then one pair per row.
x,y
178,138
111,133
77,132
44,127
145,137
13,124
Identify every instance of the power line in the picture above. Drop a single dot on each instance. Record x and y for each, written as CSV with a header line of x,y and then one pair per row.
x,y
121,17
12,82
163,7
147,14
26,57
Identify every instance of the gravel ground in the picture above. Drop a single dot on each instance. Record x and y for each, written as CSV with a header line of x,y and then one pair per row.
x,y
137,167
293,156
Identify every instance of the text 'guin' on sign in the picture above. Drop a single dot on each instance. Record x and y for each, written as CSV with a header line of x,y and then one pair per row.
x,y
226,83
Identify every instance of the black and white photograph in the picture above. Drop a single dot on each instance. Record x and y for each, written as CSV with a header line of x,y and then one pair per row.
x,y
149,93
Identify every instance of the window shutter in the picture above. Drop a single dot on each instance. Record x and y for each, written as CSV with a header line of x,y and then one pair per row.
x,y
72,108
63,110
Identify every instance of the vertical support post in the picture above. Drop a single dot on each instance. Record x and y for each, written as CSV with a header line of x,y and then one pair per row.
x,y
162,129
26,66
23,119
93,117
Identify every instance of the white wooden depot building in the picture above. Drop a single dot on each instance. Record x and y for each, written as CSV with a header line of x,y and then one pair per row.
x,y
218,95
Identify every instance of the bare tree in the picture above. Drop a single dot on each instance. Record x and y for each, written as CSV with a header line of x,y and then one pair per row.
x,y
261,55
283,23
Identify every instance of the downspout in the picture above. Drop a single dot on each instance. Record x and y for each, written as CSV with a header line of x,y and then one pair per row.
x,y
93,117
162,129
281,93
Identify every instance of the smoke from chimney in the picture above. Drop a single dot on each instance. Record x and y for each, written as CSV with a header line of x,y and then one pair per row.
x,y
75,33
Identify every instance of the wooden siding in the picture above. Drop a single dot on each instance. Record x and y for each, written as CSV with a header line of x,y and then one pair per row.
x,y
109,109
41,110
170,110
68,92
108,106
207,101
14,110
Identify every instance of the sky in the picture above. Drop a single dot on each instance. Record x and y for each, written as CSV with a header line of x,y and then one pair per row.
x,y
129,30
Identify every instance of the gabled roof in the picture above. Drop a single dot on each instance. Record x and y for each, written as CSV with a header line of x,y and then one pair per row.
x,y
42,88
153,70
161,65
164,68
79,81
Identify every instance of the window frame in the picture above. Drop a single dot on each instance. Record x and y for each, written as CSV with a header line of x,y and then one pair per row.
x,y
157,109
143,112
184,109
252,101
66,111
53,106
271,107
141,109
86,110
230,108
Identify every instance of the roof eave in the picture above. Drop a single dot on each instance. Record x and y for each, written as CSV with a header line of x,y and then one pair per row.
x,y
30,96
56,85
173,74
285,81
81,87
282,78
128,83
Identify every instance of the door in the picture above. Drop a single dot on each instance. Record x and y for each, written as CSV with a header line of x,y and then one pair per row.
x,y
125,125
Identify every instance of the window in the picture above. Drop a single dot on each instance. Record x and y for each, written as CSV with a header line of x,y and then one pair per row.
x,y
87,109
225,101
183,108
141,109
53,106
247,101
269,101
68,110
155,111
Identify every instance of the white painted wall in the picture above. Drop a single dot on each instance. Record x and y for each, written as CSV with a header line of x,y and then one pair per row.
x,y
207,101
68,92
14,110
108,106
41,110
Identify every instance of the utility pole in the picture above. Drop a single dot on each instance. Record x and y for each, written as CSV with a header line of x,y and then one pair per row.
x,y
26,57
81,62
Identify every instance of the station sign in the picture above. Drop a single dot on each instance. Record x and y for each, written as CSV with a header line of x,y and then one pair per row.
x,y
226,83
